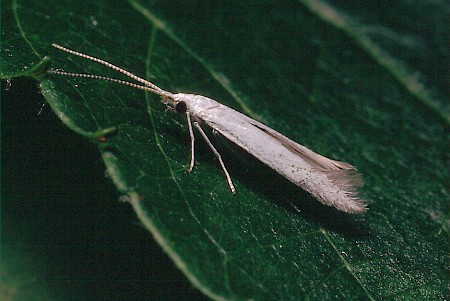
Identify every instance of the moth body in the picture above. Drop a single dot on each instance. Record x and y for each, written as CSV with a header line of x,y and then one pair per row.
x,y
333,183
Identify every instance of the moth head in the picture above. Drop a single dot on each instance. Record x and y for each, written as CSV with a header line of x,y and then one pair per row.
x,y
181,107
180,102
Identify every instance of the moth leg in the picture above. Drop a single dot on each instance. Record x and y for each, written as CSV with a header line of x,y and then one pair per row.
x,y
218,156
191,135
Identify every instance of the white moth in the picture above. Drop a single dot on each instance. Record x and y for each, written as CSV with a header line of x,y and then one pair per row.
x,y
333,183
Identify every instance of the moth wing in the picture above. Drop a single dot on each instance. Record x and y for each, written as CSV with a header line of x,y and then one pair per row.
x,y
308,155
332,182
341,173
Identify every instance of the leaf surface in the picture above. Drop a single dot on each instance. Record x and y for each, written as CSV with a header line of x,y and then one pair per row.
x,y
287,65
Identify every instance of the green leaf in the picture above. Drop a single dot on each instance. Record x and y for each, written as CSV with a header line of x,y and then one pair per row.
x,y
346,89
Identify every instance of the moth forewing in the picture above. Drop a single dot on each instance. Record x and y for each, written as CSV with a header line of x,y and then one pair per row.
x,y
333,183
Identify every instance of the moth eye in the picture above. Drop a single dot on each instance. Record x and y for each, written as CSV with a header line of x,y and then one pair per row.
x,y
181,107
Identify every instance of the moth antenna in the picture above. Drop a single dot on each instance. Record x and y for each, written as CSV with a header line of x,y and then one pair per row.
x,y
114,80
109,65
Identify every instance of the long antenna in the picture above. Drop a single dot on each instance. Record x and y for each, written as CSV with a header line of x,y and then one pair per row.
x,y
151,87
110,79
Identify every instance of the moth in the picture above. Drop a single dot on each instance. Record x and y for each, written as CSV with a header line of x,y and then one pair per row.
x,y
334,183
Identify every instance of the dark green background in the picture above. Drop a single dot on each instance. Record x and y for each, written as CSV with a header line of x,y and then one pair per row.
x,y
367,86
65,235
